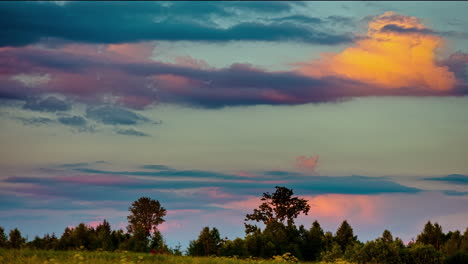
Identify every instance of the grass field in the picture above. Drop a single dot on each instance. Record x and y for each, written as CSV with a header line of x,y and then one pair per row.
x,y
84,257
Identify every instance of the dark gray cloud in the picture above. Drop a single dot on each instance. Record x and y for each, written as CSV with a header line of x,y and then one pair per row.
x,y
405,30
112,115
131,132
452,178
156,167
130,22
72,121
455,193
300,182
74,165
49,104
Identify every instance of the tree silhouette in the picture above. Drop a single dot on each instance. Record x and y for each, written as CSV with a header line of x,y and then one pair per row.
x,y
146,215
344,235
16,240
277,207
3,238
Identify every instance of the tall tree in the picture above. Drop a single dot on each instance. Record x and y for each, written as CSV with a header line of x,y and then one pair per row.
x,y
277,207
345,236
103,236
16,240
207,244
146,215
315,239
3,238
431,235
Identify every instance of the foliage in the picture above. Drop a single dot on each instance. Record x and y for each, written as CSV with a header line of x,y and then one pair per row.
x,y
277,207
345,236
207,244
286,257
16,240
279,241
146,215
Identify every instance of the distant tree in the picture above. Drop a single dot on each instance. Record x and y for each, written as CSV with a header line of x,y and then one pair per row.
x,y
431,235
277,207
157,242
464,241
81,236
3,238
65,241
345,236
16,240
139,241
424,254
387,236
119,239
207,244
315,241
453,243
104,236
236,247
146,215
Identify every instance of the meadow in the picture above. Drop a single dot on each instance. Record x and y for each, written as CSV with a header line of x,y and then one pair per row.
x,y
28,256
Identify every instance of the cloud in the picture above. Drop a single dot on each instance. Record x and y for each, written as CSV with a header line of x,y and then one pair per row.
x,y
49,104
457,63
455,193
31,80
156,167
307,163
452,178
35,121
72,121
302,183
125,22
120,76
131,132
398,52
112,115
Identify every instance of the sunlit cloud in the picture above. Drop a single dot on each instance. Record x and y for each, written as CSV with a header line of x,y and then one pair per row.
x,y
397,52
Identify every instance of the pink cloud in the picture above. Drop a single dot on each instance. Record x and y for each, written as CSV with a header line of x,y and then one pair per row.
x,y
338,207
307,163
171,226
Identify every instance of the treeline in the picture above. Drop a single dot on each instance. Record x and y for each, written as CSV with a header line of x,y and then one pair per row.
x,y
279,237
432,246
83,237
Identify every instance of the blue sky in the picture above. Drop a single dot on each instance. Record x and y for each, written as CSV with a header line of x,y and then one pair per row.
x,y
360,107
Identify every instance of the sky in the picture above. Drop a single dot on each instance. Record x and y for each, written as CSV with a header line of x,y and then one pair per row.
x,y
359,107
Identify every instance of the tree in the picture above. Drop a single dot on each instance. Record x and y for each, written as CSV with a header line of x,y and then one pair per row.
x,y
315,240
207,244
345,236
103,236
16,240
146,215
277,207
431,235
3,238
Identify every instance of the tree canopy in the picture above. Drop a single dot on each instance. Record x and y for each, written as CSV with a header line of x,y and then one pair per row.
x,y
277,207
146,215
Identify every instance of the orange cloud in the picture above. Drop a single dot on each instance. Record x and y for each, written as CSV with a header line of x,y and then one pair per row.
x,y
308,163
398,52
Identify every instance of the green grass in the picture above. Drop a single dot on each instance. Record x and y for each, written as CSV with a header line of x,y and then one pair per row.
x,y
28,256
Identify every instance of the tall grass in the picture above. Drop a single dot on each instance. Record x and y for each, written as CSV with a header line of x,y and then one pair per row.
x,y
28,256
